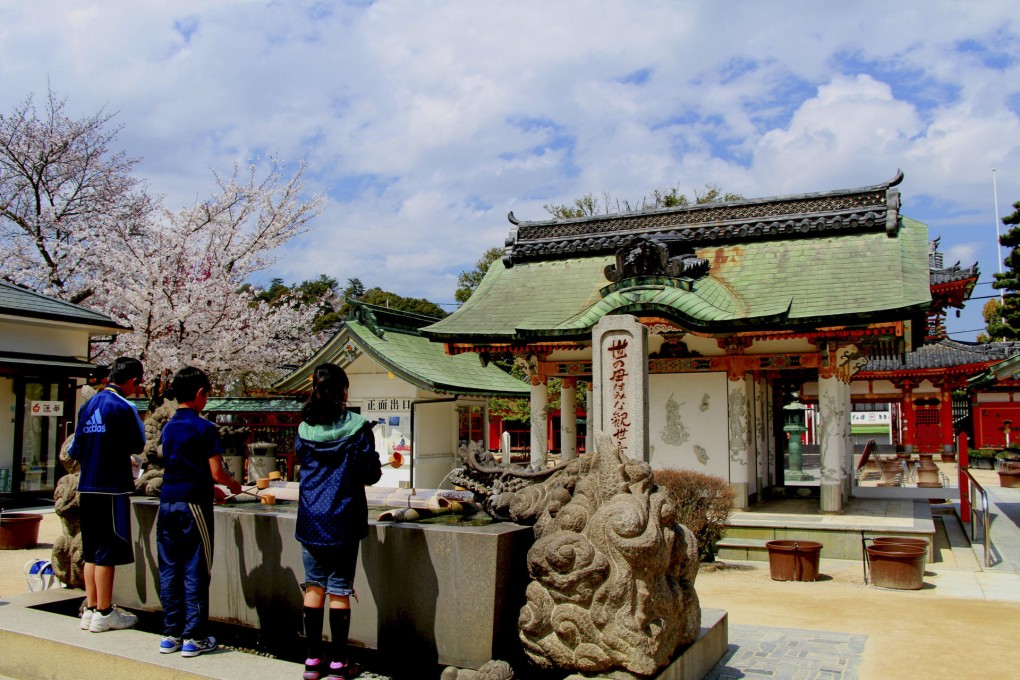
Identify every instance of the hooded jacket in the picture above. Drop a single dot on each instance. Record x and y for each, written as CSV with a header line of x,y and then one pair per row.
x,y
337,463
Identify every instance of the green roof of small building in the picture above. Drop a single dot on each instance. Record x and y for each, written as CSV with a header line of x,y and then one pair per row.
x,y
21,302
838,258
392,339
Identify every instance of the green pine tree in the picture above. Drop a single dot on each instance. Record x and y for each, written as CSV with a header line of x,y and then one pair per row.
x,y
1007,325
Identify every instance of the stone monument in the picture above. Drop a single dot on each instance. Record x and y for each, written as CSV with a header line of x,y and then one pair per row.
x,y
619,367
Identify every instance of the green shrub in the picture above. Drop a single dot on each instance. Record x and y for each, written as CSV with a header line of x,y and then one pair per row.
x,y
703,502
982,453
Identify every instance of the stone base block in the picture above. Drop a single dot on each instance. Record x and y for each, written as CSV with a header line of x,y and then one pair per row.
x,y
426,593
694,661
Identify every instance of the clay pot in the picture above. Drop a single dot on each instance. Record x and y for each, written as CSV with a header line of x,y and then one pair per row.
x,y
1009,475
921,543
896,566
791,560
19,530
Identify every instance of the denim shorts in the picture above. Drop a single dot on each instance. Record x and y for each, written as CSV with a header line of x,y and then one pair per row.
x,y
330,567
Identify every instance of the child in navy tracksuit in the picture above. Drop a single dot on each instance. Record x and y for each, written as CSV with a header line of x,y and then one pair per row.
x,y
338,459
184,529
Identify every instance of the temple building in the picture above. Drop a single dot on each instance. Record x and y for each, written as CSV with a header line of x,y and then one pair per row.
x,y
423,400
744,302
916,389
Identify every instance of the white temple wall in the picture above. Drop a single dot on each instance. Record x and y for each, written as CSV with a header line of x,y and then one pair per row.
x,y
687,422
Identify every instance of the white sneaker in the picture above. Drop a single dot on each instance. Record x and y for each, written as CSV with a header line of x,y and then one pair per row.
x,y
117,619
86,618
196,647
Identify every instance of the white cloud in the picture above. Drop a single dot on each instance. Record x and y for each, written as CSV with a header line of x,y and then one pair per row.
x,y
428,122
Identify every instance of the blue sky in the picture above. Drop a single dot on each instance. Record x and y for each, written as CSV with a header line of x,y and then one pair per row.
x,y
425,123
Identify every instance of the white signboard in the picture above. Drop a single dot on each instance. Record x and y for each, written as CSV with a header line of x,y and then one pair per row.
x,y
47,408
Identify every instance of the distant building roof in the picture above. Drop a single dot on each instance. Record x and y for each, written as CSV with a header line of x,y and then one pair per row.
x,y
21,302
944,354
392,338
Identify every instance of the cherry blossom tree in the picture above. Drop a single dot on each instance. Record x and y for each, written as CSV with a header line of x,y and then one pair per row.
x,y
180,282
62,186
77,225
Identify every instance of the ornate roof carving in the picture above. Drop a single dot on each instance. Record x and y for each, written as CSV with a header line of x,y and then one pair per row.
x,y
846,211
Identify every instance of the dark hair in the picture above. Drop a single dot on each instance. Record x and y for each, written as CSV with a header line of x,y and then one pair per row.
x,y
125,368
326,404
188,381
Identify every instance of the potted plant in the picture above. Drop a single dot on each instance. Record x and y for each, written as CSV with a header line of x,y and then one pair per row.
x,y
982,459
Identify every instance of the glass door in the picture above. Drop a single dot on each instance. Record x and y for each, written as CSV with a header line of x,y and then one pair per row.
x,y
41,430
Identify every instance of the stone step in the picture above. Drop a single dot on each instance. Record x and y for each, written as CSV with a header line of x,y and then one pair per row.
x,y
41,644
741,549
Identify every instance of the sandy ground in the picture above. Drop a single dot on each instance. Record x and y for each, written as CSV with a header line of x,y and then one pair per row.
x,y
910,633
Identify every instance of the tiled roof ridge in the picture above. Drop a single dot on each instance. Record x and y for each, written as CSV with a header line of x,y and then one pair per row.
x,y
74,311
870,208
954,273
944,353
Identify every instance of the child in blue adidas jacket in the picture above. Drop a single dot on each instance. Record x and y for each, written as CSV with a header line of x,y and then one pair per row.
x,y
107,434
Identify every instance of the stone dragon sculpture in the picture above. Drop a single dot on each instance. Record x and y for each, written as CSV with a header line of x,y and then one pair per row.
x,y
612,572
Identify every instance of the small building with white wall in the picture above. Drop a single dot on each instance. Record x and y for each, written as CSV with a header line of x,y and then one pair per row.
x,y
426,402
44,352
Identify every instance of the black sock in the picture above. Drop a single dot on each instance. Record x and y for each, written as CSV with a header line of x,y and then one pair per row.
x,y
313,631
105,612
339,628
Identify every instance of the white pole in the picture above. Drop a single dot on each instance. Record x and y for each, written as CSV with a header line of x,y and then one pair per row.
x,y
998,248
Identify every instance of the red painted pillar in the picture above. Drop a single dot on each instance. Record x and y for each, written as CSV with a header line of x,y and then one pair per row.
x,y
909,416
946,421
962,462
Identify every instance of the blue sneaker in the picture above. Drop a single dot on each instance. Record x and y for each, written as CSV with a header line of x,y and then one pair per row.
x,y
169,644
196,647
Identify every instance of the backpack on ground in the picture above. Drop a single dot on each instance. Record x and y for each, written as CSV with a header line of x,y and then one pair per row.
x,y
40,576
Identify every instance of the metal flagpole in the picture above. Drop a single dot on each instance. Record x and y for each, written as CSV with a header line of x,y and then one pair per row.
x,y
998,245
998,250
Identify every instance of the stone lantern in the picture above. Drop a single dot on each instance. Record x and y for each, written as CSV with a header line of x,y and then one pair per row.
x,y
793,425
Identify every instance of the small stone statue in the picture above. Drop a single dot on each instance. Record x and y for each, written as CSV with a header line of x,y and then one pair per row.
x,y
490,670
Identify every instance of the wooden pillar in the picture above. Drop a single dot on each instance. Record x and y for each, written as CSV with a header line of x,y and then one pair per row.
x,y
835,421
739,423
539,422
568,419
589,442
839,365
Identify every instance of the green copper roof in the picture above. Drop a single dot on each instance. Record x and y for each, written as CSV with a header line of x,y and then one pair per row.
x,y
821,279
393,341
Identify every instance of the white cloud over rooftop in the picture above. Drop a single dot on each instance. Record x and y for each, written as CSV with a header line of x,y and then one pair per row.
x,y
427,122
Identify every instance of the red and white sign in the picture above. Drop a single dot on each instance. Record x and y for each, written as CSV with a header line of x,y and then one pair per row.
x,y
47,408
